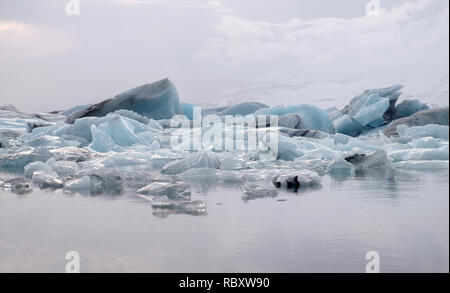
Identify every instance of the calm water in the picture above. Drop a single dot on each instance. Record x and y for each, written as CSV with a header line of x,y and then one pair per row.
x,y
325,230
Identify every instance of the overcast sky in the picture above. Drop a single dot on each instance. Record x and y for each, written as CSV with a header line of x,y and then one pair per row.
x,y
49,60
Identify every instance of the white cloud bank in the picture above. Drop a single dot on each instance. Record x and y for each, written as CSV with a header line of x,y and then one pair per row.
x,y
408,42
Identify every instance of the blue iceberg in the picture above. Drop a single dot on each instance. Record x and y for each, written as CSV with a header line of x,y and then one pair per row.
x,y
311,117
158,100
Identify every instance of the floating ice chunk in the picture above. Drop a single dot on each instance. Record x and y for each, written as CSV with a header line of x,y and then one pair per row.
x,y
231,161
371,97
200,175
421,165
296,179
188,110
430,130
347,125
289,121
372,112
18,185
408,108
201,159
428,142
72,153
164,207
303,133
154,125
102,142
38,166
128,161
117,133
158,100
287,149
253,191
84,185
340,166
173,190
243,108
419,155
63,168
103,181
91,185
51,141
132,115
311,117
371,108
434,116
374,160
46,180
16,158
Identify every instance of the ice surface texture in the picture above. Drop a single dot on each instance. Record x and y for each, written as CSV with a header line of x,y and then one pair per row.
x,y
123,145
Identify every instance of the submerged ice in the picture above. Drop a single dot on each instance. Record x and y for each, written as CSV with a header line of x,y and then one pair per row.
x,y
124,145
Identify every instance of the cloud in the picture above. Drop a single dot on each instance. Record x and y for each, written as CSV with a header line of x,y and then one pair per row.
x,y
21,40
410,39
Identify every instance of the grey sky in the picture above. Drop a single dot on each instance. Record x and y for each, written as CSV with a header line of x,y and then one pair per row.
x,y
49,60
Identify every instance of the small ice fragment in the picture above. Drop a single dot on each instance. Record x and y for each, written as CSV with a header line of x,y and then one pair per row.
x,y
164,207
201,159
376,159
296,179
46,180
38,166
173,190
253,191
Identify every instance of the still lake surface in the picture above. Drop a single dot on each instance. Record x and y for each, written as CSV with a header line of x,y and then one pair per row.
x,y
322,230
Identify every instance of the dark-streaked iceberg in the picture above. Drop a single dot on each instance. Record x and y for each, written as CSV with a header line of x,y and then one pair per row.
x,y
434,116
370,109
158,100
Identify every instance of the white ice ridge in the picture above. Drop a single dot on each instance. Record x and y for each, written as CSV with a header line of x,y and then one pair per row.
x,y
125,144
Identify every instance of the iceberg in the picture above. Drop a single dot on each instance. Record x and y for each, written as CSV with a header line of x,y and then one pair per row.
x,y
296,179
253,191
201,159
373,160
370,109
188,110
408,108
46,180
90,185
172,190
164,207
121,145
421,165
438,116
16,158
311,117
17,185
158,100
62,168
38,166
243,109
